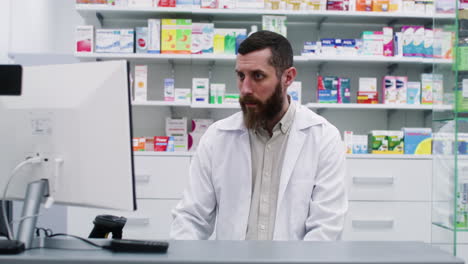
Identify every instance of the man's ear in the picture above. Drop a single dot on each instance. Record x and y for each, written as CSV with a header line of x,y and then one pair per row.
x,y
289,76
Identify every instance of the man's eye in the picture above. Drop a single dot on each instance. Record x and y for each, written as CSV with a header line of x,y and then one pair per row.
x,y
259,76
240,76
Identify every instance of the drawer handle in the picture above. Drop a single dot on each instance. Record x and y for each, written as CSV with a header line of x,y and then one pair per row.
x,y
373,224
373,180
142,178
138,221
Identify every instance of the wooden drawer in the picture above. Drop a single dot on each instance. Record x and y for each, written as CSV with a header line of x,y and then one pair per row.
x,y
161,177
388,221
389,179
152,220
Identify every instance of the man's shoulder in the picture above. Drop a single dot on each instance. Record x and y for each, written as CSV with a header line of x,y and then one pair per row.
x,y
232,122
306,117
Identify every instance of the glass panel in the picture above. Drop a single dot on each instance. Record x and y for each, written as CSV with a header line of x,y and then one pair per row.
x,y
450,123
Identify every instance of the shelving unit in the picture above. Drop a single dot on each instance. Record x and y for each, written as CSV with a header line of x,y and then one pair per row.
x,y
170,169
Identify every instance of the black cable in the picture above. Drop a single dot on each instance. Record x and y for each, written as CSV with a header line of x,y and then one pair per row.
x,y
77,237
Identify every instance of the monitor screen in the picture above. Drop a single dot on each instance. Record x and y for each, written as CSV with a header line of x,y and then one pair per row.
x,y
10,79
77,118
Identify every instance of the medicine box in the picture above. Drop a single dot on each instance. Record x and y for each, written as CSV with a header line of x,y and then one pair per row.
x,y
84,39
389,89
413,94
183,95
295,91
127,40
141,39
108,40
378,142
154,37
401,89
200,90
327,89
141,82
344,90
418,140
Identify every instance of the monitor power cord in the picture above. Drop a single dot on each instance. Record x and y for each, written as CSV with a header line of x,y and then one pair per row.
x,y
31,160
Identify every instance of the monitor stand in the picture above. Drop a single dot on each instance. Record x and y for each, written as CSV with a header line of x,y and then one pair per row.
x,y
35,193
32,202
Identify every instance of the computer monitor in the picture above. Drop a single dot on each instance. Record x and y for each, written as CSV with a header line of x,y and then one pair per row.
x,y
76,120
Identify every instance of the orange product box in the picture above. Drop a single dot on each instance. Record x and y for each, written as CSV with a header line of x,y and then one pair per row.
x,y
363,5
139,144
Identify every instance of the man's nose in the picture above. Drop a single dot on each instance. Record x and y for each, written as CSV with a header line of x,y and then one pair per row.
x,y
246,87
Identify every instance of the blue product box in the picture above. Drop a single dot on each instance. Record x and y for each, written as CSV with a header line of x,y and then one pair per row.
x,y
418,141
327,90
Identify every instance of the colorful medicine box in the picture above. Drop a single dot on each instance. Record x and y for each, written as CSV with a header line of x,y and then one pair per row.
x,y
418,141
327,89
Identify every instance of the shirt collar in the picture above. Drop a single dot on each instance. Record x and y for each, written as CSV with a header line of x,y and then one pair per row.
x,y
284,124
288,118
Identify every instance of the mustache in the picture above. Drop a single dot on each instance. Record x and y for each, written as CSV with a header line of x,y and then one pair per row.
x,y
249,99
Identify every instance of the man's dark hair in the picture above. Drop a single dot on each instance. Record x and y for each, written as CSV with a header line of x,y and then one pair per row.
x,y
281,50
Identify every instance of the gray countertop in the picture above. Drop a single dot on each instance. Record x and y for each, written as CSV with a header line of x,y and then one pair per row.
x,y
212,252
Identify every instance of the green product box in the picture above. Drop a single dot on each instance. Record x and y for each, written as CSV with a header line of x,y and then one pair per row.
x,y
184,36
378,143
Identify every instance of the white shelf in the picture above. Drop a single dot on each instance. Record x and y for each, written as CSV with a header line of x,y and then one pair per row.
x,y
375,106
166,103
309,105
86,10
163,153
216,106
387,156
220,58
348,156
159,103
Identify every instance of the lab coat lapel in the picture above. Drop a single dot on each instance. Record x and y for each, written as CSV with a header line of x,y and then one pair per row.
x,y
293,149
246,195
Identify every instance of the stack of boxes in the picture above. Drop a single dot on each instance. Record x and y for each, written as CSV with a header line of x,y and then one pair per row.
x,y
332,89
415,141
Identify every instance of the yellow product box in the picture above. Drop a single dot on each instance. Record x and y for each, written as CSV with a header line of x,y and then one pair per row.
x,y
168,36
218,41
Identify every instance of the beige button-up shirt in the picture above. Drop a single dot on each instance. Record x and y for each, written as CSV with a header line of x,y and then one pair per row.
x,y
267,162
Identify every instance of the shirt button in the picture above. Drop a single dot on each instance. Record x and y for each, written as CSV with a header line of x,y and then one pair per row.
x,y
264,199
262,227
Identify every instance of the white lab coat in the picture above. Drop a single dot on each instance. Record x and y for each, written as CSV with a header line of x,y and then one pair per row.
x,y
311,201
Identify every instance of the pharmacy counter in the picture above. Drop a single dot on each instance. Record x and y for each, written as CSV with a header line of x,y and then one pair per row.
x,y
243,252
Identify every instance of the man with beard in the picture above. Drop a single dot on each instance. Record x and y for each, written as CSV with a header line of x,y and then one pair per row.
x,y
274,171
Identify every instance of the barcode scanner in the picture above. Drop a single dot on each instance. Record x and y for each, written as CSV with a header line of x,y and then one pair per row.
x,y
107,224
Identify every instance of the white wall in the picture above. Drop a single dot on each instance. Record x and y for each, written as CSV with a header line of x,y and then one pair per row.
x,y
4,29
42,26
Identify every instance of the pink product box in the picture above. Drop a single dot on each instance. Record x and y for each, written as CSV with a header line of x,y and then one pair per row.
x,y
388,42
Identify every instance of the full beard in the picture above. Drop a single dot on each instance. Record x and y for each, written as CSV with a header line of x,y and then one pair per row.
x,y
264,111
